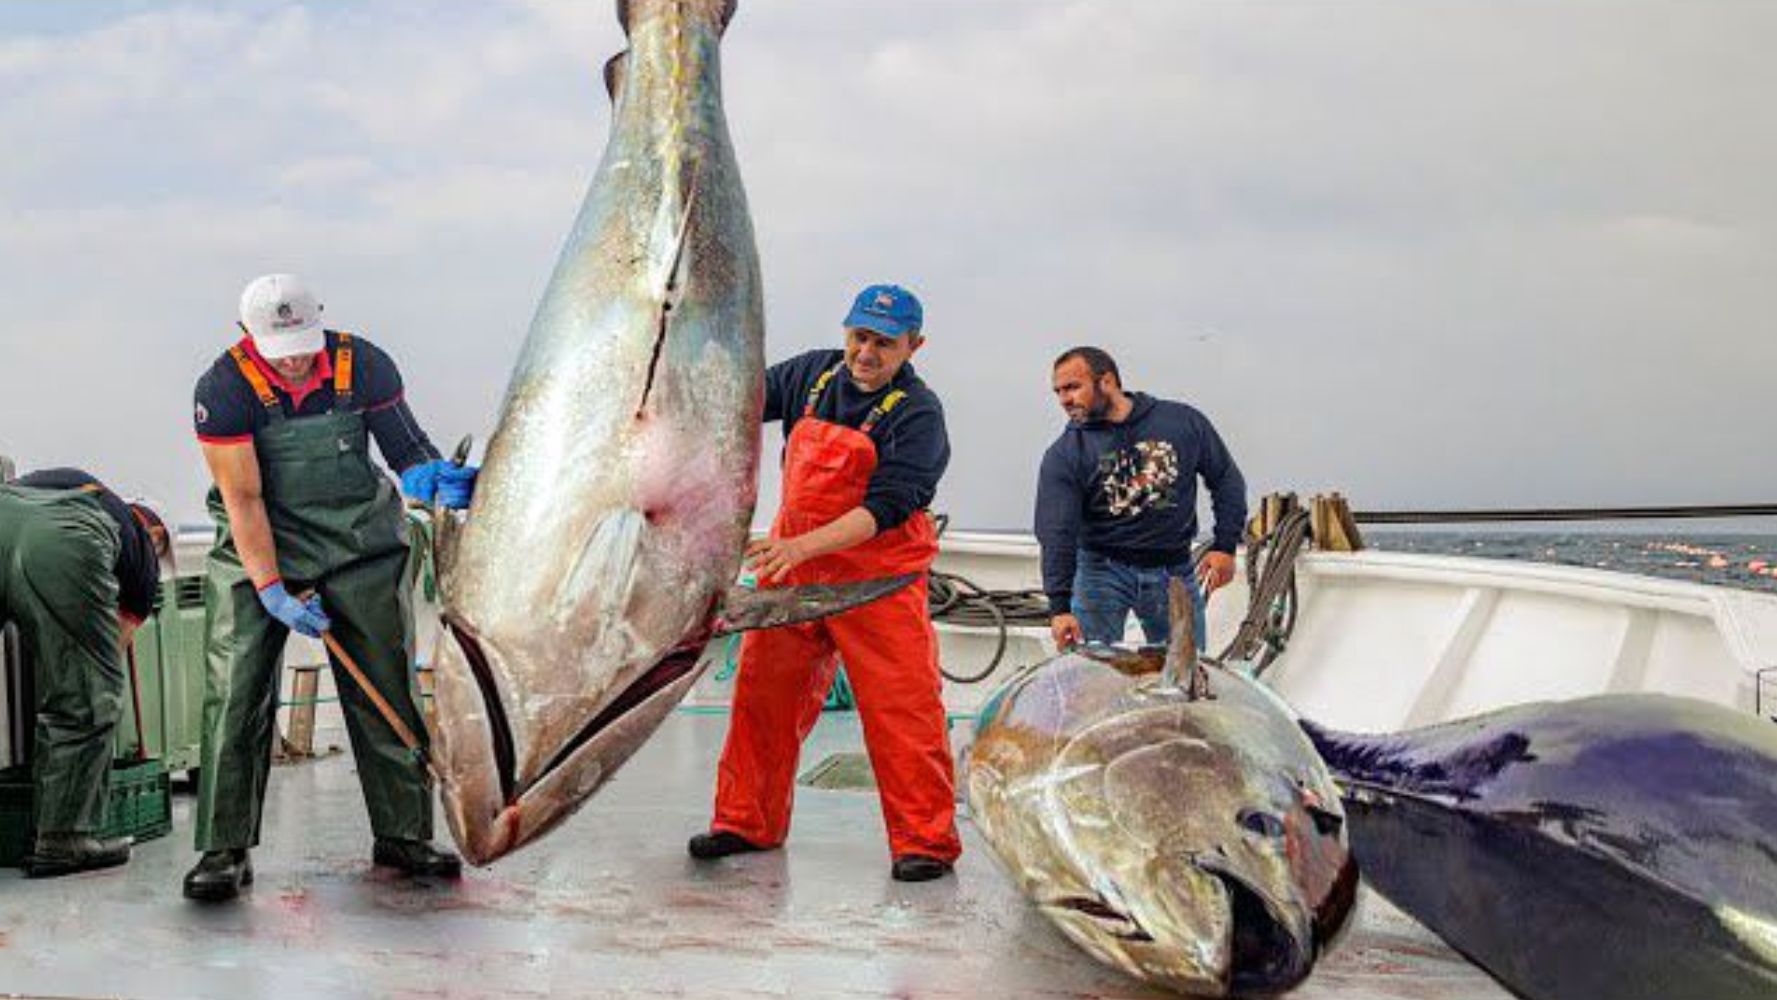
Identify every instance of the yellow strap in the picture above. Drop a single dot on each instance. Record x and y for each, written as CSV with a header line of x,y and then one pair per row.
x,y
342,366
820,385
254,376
881,409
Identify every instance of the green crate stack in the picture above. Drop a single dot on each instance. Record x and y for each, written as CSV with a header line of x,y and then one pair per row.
x,y
169,664
138,805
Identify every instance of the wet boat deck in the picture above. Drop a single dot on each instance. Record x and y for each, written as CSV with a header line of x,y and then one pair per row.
x,y
607,906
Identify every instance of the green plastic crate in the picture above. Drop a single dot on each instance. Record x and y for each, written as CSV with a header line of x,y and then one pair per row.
x,y
170,668
141,801
139,805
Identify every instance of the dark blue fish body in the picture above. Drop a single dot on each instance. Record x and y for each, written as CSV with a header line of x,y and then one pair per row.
x,y
1614,847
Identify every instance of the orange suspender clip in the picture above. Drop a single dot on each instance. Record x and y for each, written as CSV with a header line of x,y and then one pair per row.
x,y
342,369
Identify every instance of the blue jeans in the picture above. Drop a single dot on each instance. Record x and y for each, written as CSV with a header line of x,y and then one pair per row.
x,y
1106,591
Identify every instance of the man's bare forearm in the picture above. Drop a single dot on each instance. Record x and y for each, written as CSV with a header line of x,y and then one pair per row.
x,y
252,537
235,468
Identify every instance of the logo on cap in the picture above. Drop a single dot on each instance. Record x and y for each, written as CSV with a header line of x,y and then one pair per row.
x,y
884,300
287,317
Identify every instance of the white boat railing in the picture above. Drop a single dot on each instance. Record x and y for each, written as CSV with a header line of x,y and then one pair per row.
x,y
1385,640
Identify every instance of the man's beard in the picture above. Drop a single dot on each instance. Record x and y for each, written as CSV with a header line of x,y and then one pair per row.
x,y
1100,406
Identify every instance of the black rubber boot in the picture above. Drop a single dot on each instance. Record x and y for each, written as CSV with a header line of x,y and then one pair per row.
x,y
56,854
416,857
219,875
720,844
918,868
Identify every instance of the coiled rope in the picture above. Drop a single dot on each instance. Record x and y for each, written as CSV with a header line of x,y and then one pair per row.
x,y
1271,593
957,600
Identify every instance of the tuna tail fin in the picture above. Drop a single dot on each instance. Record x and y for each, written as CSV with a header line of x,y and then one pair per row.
x,y
1395,763
720,11
745,609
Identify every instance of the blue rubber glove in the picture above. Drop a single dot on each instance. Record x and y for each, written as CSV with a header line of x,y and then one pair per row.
x,y
305,617
456,486
421,481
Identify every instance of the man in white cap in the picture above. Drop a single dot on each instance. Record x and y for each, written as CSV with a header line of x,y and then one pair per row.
x,y
310,537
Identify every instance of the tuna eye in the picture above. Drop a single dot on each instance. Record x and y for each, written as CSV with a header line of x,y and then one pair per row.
x,y
1262,823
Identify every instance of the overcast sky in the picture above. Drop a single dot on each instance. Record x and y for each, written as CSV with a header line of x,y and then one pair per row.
x,y
1429,253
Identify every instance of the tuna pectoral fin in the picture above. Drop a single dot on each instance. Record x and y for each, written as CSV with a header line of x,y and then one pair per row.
x,y
606,567
745,609
1399,763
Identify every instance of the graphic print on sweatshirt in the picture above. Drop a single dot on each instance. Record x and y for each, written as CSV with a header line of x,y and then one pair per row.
x,y
1138,478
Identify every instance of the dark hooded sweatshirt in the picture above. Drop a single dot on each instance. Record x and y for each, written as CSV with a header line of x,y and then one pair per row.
x,y
1128,491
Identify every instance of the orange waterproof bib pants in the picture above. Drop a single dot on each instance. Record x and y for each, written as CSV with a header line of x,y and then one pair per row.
x,y
891,657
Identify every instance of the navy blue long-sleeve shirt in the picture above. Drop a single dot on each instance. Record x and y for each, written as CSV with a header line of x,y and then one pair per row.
x,y
912,447
1128,491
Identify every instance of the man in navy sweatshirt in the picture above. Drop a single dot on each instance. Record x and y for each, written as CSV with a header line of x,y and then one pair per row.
x,y
1117,505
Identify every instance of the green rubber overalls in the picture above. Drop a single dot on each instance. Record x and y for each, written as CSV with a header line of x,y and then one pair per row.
x,y
339,530
58,582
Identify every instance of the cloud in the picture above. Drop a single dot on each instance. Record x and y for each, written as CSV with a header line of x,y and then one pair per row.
x,y
1449,253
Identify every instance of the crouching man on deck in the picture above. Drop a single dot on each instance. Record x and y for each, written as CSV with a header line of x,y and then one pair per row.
x,y
285,417
1117,506
865,448
79,570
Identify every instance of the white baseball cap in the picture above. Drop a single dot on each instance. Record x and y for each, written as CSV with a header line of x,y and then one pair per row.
x,y
282,316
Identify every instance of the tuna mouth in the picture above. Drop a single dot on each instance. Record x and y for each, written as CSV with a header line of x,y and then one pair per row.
x,y
1264,956
499,726
671,668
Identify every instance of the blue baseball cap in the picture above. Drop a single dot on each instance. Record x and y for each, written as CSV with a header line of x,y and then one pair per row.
x,y
886,309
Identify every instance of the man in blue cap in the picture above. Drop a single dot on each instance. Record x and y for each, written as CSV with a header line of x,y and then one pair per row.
x,y
865,447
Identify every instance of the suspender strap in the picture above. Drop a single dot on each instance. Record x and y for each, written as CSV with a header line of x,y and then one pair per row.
x,y
820,386
882,408
256,379
342,373
877,412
